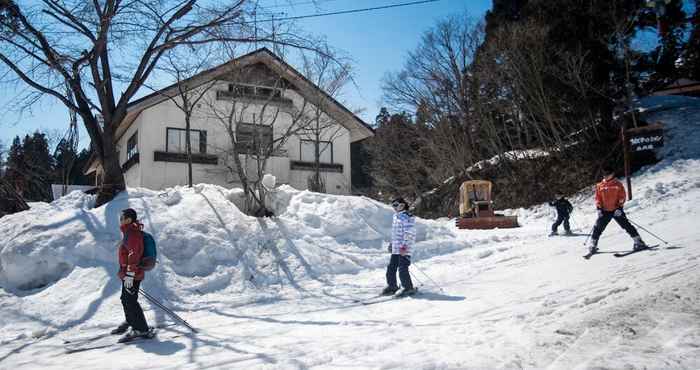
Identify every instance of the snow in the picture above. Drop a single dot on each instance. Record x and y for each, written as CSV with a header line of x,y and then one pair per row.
x,y
282,293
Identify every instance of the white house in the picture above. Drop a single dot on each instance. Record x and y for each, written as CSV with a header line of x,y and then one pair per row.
x,y
269,96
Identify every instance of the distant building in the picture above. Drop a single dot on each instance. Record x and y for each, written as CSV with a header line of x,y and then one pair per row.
x,y
683,86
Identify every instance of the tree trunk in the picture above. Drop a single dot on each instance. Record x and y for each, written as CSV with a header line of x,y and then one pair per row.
x,y
188,146
113,179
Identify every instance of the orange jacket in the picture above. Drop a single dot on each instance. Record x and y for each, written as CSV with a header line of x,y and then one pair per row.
x,y
131,250
609,195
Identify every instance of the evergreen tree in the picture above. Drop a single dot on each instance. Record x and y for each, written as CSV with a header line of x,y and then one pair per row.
x,y
671,27
38,166
2,159
15,168
382,118
691,54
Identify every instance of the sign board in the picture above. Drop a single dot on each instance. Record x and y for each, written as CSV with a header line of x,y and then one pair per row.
x,y
645,138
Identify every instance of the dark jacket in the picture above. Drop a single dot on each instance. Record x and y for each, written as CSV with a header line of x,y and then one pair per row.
x,y
563,206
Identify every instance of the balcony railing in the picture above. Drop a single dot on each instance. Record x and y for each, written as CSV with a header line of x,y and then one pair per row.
x,y
229,95
197,158
309,166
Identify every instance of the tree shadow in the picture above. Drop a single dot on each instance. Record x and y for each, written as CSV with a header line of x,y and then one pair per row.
x,y
295,251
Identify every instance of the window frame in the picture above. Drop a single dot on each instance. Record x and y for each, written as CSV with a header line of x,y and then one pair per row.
x,y
202,140
251,149
301,145
132,150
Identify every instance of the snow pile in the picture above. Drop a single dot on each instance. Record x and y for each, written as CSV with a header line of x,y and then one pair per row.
x,y
203,237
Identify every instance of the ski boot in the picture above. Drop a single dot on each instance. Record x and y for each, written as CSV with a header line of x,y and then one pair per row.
x,y
568,233
390,290
593,246
121,329
553,233
639,244
405,292
135,334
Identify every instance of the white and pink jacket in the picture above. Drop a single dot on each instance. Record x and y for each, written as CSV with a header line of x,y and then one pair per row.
x,y
403,233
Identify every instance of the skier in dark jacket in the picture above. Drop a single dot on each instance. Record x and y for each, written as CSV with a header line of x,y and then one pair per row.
x,y
564,209
131,274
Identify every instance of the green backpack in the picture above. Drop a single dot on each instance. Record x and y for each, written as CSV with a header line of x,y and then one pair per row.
x,y
148,260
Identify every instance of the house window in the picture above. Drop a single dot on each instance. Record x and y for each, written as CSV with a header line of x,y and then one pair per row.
x,y
308,148
251,137
132,146
176,143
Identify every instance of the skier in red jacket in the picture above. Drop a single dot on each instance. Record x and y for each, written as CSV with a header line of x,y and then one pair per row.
x,y
609,199
131,274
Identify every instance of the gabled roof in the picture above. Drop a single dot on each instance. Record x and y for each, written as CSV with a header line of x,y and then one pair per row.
x,y
358,128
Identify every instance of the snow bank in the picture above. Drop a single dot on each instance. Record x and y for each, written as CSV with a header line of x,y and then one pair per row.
x,y
203,238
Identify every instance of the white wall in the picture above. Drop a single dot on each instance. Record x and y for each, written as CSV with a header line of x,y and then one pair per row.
x,y
133,175
152,124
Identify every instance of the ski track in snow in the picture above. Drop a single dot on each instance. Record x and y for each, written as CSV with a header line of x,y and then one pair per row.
x,y
284,293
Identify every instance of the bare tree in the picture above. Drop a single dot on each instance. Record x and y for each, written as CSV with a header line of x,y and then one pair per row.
x,y
321,130
186,96
436,79
99,48
259,119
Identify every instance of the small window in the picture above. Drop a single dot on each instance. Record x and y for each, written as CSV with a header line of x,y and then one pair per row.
x,y
308,149
251,138
176,143
132,146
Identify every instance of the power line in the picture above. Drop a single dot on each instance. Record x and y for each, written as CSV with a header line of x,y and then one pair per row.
x,y
291,5
347,11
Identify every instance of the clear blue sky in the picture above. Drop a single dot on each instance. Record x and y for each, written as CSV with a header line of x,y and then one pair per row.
x,y
377,41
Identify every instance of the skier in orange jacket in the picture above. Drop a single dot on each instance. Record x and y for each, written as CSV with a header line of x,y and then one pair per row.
x,y
609,200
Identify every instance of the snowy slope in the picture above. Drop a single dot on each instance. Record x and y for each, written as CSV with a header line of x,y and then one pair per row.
x,y
282,293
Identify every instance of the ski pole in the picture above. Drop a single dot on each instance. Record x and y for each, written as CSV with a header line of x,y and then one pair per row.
x,y
416,278
643,228
429,278
167,310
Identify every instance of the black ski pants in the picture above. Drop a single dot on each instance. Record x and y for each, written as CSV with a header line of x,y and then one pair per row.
x,y
400,263
605,218
561,217
132,308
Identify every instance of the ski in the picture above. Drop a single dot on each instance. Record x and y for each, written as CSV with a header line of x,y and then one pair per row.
x,y
383,298
72,348
93,338
651,247
379,299
88,347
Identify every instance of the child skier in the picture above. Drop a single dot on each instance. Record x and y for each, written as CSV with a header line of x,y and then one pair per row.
x,y
564,209
131,274
403,236
609,199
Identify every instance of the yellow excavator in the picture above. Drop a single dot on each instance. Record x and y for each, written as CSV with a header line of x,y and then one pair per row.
x,y
476,208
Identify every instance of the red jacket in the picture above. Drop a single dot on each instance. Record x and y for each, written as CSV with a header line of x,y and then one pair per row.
x,y
131,250
609,195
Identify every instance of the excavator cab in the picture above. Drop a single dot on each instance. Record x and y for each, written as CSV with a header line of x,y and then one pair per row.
x,y
476,208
